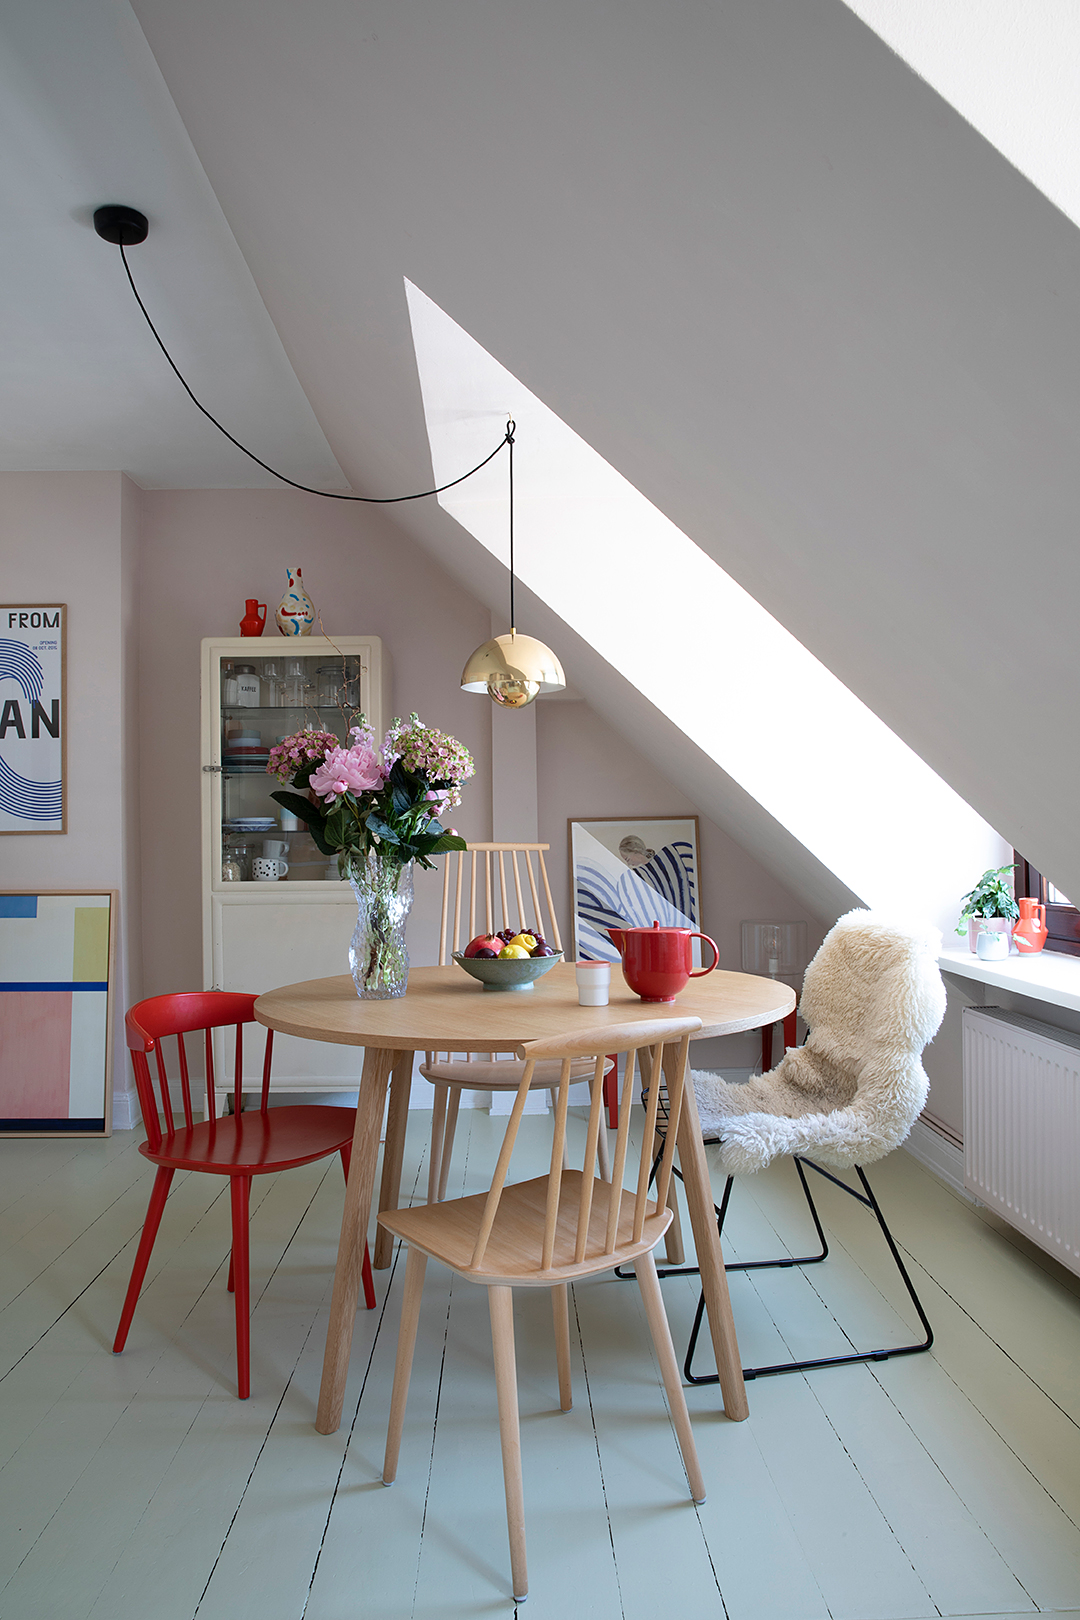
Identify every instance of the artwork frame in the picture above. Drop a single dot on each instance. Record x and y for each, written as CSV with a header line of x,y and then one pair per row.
x,y
669,888
56,1011
33,718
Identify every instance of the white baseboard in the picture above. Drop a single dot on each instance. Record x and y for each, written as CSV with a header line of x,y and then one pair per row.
x,y
126,1115
941,1157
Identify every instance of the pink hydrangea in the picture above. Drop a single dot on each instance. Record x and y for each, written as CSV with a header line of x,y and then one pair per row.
x,y
430,753
348,770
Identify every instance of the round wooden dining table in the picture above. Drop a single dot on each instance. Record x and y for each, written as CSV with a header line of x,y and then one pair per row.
x,y
444,1010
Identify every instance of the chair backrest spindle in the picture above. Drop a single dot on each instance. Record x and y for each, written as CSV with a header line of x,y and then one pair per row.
x,y
676,1091
669,1040
498,1180
622,1140
588,1180
506,897
185,1083
649,1135
147,1025
211,1090
551,1218
264,1099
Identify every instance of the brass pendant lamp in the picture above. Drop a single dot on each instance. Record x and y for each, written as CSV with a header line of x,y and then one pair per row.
x,y
512,669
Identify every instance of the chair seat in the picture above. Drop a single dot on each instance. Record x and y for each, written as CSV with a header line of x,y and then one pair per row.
x,y
255,1143
504,1074
448,1231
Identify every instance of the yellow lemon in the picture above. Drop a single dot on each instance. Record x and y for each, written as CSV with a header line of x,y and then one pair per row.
x,y
526,941
512,953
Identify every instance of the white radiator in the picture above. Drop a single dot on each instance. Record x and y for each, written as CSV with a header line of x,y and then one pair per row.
x,y
1022,1126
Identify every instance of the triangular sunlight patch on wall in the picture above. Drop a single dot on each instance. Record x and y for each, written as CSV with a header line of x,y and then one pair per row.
x,y
696,644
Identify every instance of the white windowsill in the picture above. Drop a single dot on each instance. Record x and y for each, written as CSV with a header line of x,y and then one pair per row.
x,y
1047,976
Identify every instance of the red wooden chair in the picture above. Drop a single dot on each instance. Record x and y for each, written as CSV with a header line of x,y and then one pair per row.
x,y
239,1146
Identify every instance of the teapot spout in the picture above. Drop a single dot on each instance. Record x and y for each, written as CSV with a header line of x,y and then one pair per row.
x,y
617,937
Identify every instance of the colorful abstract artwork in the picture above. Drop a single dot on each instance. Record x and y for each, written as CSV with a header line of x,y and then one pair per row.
x,y
32,719
629,874
55,951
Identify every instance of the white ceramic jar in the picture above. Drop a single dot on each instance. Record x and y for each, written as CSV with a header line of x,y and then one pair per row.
x,y
593,983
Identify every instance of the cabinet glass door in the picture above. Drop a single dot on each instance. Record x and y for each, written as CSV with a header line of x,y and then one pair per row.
x,y
263,700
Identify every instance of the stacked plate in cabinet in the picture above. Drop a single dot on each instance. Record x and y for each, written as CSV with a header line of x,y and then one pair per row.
x,y
245,752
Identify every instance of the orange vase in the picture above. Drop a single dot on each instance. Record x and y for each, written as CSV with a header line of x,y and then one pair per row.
x,y
1030,932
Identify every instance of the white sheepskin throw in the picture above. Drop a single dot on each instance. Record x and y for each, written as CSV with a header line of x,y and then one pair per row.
x,y
872,998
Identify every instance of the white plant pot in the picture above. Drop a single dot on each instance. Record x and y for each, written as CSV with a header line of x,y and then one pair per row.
x,y
996,925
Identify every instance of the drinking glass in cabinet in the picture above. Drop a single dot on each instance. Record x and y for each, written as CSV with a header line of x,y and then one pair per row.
x,y
272,683
296,688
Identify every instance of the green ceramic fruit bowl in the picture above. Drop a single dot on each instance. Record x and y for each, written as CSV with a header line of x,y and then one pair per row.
x,y
516,973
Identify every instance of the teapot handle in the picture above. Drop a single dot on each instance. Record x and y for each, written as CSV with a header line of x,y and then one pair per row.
x,y
716,956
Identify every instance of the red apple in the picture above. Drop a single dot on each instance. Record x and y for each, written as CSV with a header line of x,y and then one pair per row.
x,y
483,942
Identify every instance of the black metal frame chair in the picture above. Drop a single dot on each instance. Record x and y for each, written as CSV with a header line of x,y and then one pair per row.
x,y
867,1199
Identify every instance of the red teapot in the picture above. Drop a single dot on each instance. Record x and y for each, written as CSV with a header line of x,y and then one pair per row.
x,y
658,962
253,622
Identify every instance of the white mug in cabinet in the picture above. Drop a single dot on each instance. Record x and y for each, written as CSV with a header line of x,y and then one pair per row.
x,y
265,870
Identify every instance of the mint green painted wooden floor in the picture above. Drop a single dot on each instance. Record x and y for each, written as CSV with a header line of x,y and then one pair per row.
x,y
138,1488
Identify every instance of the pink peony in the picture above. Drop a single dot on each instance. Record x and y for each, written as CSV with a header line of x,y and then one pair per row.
x,y
348,770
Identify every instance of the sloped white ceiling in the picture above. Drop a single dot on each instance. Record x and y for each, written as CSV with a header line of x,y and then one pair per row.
x,y
85,119
1012,68
743,251
750,257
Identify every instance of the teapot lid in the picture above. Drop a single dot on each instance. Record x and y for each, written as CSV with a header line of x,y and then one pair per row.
x,y
656,928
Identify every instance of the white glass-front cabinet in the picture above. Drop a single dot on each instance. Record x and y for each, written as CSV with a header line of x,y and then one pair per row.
x,y
274,910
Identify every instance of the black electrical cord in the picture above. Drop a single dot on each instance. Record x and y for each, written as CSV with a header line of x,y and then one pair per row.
x,y
330,494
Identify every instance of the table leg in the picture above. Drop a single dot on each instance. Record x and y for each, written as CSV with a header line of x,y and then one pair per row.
x,y
397,1118
354,1221
699,1202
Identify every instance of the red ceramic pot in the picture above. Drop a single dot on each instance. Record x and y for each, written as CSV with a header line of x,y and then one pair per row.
x,y
658,962
253,623
1029,934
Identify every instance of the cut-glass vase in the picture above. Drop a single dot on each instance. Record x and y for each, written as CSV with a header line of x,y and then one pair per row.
x,y
378,958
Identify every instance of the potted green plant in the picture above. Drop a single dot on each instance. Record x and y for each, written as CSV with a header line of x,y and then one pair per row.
x,y
990,904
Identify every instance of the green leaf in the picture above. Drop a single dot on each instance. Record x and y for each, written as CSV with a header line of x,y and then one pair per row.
x,y
308,812
313,815
447,842
382,828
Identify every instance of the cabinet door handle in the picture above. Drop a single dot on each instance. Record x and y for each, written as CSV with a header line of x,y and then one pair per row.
x,y
213,767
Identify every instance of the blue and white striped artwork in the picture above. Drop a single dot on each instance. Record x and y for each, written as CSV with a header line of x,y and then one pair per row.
x,y
31,722
630,874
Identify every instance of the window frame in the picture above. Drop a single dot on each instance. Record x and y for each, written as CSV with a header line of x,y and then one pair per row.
x,y
1062,922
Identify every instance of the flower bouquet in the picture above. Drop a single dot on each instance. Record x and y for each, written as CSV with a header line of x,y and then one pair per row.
x,y
378,814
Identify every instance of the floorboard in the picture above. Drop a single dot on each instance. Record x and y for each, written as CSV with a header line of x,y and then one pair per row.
x,y
942,1484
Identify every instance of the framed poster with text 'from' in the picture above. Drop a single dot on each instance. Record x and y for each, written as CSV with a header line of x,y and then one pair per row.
x,y
57,952
32,718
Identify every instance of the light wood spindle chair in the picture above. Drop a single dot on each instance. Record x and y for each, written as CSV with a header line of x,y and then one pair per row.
x,y
551,1231
487,887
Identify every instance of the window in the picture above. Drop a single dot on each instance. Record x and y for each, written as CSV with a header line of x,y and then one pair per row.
x,y
1062,917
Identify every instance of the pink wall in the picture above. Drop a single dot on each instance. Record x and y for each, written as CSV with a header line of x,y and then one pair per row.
x,y
585,770
204,552
73,538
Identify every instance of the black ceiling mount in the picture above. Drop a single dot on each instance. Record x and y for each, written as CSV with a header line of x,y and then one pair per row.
x,y
121,225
